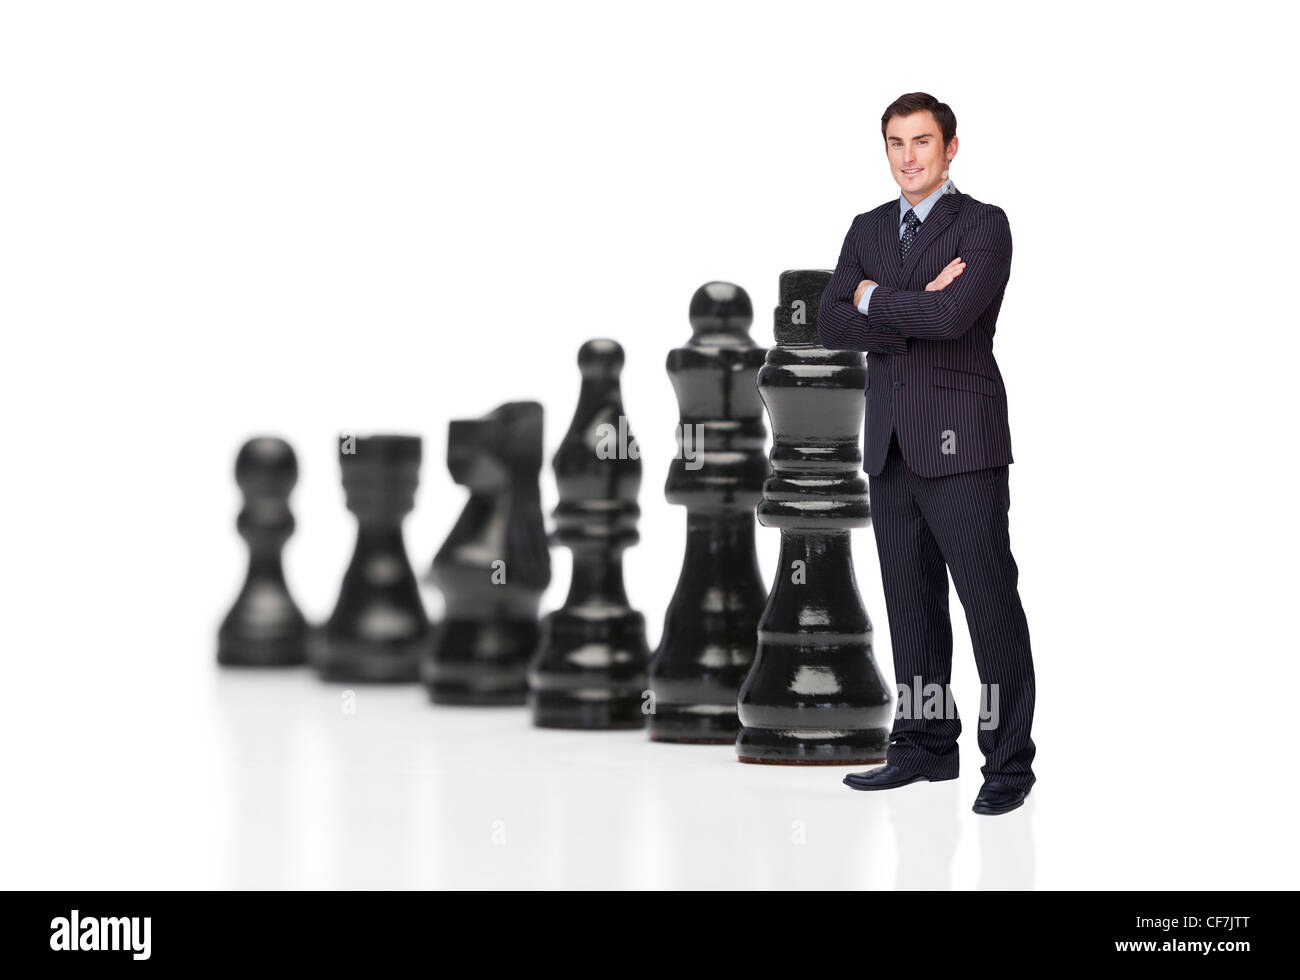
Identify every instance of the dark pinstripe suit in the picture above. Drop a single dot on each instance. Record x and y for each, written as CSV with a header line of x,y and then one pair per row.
x,y
937,447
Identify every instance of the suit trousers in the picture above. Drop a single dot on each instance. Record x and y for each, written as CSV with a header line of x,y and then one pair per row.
x,y
926,527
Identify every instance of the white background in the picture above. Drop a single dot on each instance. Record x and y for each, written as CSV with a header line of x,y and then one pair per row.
x,y
221,219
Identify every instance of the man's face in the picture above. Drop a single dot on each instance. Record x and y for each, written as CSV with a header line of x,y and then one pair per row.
x,y
916,154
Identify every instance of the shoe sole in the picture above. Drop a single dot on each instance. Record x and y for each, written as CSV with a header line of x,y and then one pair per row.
x,y
915,779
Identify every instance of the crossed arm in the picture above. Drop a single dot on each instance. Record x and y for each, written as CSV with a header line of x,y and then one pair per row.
x,y
944,310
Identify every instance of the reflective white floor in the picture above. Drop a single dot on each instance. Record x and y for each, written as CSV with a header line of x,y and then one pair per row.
x,y
264,780
276,220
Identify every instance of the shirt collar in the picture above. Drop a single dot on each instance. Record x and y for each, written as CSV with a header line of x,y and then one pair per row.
x,y
924,207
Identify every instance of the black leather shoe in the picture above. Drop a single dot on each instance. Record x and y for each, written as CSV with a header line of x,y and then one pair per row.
x,y
887,777
996,797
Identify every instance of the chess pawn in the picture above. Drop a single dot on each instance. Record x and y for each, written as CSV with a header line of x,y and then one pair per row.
x,y
379,630
495,564
814,694
589,670
264,628
710,628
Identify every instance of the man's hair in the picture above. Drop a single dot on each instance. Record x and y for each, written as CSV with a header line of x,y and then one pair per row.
x,y
912,102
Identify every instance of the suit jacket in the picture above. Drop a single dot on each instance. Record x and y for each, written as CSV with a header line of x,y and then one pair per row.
x,y
931,376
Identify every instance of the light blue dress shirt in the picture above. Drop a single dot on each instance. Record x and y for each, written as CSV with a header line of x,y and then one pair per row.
x,y
921,210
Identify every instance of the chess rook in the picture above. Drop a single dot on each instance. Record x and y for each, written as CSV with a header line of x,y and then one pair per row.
x,y
589,670
379,630
814,694
495,564
264,628
711,624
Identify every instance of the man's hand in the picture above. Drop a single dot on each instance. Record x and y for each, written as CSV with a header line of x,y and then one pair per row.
x,y
862,288
950,272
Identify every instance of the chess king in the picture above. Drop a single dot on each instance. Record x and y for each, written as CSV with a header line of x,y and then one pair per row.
x,y
918,286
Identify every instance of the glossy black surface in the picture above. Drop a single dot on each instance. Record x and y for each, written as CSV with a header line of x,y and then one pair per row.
x,y
589,670
711,625
379,630
814,694
495,564
264,628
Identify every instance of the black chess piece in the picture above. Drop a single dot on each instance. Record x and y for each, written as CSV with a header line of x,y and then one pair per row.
x,y
495,564
264,628
814,694
379,630
710,628
589,670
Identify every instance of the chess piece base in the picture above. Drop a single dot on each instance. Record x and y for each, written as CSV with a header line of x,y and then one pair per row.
x,y
242,651
590,672
360,661
556,709
688,725
481,663
764,746
458,694
814,698
707,645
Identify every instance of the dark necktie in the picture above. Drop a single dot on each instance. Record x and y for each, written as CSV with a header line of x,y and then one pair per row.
x,y
909,233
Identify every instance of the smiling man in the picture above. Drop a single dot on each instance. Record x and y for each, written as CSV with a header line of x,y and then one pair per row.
x,y
918,286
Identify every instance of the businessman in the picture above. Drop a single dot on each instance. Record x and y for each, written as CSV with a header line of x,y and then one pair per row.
x,y
918,286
